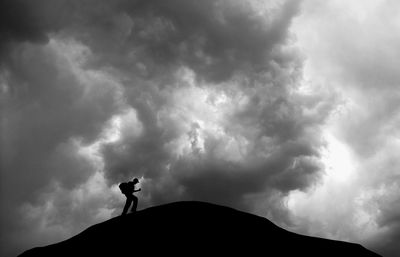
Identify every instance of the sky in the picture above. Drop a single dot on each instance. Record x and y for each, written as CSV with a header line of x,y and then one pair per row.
x,y
287,109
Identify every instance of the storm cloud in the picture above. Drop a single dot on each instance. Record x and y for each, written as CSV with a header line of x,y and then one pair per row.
x,y
202,100
352,46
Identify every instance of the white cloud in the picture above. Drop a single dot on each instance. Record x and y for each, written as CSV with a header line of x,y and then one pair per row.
x,y
352,46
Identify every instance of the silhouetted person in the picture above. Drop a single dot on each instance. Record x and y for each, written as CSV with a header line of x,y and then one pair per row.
x,y
128,188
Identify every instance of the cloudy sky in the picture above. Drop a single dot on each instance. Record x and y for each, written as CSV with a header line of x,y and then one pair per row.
x,y
283,108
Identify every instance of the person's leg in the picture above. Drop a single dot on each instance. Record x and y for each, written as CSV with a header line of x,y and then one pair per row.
x,y
135,203
127,204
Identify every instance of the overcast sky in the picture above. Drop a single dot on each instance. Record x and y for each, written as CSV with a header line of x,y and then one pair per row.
x,y
283,108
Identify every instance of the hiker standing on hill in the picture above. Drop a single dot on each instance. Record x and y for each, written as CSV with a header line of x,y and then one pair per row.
x,y
128,188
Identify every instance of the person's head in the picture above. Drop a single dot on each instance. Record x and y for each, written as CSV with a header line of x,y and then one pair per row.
x,y
135,180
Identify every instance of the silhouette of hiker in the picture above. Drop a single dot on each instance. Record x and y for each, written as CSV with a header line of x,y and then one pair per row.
x,y
128,188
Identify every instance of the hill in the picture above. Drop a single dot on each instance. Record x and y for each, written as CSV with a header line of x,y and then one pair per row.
x,y
194,228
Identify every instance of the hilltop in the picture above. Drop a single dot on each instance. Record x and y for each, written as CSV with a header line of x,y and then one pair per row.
x,y
194,228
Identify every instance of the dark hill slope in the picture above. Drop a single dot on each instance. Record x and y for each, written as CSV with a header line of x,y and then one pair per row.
x,y
192,229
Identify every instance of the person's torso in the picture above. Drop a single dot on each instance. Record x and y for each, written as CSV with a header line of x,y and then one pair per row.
x,y
130,189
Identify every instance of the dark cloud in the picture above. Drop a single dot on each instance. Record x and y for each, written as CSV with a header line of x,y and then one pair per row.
x,y
242,48
27,21
46,109
214,38
47,112
202,97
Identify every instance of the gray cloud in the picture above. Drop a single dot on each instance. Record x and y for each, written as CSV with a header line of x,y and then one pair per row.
x,y
45,109
355,50
207,97
254,58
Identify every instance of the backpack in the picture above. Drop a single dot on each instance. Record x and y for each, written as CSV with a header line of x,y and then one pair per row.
x,y
123,187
